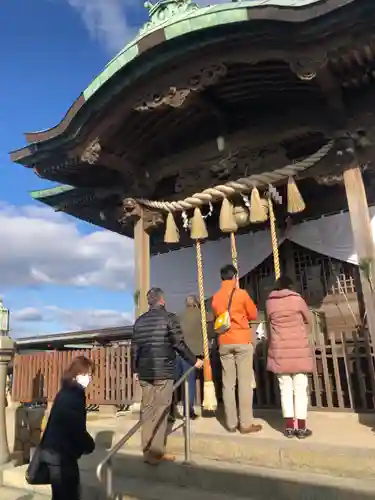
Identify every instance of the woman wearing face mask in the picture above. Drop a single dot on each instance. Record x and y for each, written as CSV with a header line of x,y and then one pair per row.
x,y
66,438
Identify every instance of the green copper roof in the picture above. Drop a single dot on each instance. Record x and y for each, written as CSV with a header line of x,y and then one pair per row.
x,y
46,193
169,21
179,17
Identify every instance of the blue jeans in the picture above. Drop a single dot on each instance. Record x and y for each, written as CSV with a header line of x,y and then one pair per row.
x,y
182,367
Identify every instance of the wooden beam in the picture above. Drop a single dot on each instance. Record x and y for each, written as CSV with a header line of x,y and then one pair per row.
x,y
355,194
363,239
142,265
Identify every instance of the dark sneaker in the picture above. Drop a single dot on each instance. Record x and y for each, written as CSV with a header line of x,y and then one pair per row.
x,y
303,433
289,433
171,419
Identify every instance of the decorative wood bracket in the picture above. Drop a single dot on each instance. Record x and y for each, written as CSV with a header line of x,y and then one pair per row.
x,y
131,211
94,153
175,96
306,66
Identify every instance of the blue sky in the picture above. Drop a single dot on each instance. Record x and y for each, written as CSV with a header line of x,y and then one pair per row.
x,y
56,273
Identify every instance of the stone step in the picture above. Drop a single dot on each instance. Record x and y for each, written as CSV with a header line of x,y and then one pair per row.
x,y
306,456
16,494
217,480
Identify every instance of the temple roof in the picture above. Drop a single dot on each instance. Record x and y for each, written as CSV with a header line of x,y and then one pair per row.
x,y
207,95
171,22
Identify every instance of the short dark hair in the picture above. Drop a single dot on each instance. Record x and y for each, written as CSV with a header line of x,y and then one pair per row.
x,y
284,283
228,272
154,296
79,366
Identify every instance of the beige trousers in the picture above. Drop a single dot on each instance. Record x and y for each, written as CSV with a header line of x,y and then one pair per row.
x,y
155,407
237,364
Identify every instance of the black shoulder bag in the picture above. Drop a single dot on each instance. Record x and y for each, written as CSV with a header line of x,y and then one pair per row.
x,y
38,472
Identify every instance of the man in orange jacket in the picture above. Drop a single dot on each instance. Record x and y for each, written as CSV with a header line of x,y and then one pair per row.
x,y
236,352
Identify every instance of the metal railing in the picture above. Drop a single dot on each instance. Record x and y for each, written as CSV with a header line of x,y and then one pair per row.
x,y
106,463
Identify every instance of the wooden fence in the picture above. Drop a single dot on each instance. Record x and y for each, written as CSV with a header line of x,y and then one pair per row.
x,y
343,377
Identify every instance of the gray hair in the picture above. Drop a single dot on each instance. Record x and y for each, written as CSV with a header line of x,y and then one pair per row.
x,y
154,296
192,301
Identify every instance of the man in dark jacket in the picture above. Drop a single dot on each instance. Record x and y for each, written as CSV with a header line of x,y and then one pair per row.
x,y
157,337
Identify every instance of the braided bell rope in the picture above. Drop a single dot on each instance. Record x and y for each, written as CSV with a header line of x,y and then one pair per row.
x,y
206,351
234,253
275,247
240,185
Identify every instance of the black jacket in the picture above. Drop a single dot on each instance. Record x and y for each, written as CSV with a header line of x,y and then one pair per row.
x,y
157,337
66,433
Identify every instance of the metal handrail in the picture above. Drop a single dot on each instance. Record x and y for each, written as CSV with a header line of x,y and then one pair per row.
x,y
186,424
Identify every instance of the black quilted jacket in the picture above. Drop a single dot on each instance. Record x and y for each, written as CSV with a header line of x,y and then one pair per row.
x,y
157,337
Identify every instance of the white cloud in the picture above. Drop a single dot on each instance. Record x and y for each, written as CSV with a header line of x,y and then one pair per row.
x,y
27,314
110,21
39,247
88,319
106,20
69,319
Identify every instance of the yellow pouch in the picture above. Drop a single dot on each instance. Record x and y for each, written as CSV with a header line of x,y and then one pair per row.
x,y
222,322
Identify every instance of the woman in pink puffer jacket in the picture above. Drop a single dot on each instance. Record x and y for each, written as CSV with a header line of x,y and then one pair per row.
x,y
290,354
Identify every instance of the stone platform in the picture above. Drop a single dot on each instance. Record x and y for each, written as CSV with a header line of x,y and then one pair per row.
x,y
338,462
342,445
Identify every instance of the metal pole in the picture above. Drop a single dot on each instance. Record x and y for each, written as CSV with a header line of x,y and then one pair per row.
x,y
187,422
6,353
109,481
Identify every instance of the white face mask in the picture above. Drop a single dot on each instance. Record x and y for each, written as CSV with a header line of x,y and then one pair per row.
x,y
83,380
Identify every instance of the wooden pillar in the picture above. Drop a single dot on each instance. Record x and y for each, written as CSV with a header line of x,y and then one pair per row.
x,y
354,187
363,238
141,282
142,265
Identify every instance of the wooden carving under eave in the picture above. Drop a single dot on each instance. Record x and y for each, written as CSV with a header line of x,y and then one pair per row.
x,y
176,95
174,98
131,211
91,153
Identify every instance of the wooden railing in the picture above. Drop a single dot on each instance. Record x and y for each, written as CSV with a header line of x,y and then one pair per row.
x,y
37,376
343,377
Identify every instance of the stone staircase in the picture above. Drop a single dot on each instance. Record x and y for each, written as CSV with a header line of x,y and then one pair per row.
x,y
215,480
338,463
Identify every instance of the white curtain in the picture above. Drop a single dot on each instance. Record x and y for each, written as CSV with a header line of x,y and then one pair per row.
x,y
176,272
331,236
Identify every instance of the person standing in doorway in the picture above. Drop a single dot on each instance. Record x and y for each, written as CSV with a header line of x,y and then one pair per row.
x,y
236,352
157,338
191,324
290,354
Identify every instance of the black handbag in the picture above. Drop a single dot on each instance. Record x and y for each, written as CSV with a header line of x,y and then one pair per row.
x,y
38,472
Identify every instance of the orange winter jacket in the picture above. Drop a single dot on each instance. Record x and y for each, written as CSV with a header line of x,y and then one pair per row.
x,y
242,311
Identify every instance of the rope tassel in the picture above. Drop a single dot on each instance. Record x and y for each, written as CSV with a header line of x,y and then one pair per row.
x,y
171,234
209,394
295,200
198,226
258,212
227,222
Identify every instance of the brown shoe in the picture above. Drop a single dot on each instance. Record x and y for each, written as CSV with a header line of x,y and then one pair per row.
x,y
151,459
168,457
251,430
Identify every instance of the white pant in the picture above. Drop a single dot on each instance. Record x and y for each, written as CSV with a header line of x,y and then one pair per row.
x,y
294,399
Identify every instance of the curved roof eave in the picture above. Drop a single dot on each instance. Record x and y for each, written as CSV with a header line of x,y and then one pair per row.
x,y
180,25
